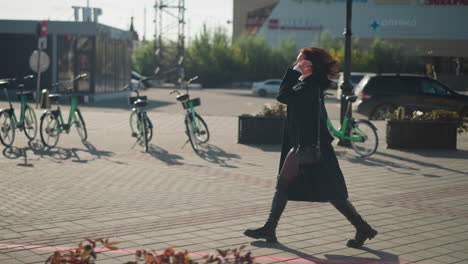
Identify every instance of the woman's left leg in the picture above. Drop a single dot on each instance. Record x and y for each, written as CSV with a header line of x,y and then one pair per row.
x,y
363,230
289,172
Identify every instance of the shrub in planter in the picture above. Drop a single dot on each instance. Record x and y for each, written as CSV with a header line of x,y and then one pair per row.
x,y
436,129
265,127
87,254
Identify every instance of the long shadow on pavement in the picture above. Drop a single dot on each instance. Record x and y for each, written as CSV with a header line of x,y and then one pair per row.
x,y
384,257
56,154
330,258
215,154
394,161
164,155
452,154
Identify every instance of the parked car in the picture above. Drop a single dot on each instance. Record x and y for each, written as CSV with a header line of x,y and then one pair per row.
x,y
135,76
383,93
355,78
266,87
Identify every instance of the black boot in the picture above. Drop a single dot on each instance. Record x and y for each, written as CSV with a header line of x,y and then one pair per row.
x,y
363,230
268,231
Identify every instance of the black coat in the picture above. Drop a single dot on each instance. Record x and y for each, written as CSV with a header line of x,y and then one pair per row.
x,y
320,182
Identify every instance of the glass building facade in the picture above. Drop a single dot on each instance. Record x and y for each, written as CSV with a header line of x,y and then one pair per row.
x,y
102,52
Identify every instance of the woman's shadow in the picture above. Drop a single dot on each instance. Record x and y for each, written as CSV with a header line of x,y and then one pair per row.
x,y
381,256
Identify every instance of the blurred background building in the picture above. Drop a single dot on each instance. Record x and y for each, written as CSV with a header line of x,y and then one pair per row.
x,y
435,29
103,52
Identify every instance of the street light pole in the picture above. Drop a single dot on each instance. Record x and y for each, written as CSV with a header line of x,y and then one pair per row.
x,y
346,86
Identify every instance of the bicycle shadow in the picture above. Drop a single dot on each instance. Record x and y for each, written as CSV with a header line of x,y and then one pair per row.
x,y
164,155
56,154
37,149
215,154
330,258
90,151
16,153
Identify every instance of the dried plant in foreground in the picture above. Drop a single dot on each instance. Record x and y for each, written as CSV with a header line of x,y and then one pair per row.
x,y
86,253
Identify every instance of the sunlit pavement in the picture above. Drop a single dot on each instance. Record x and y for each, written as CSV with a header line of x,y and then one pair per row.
x,y
107,187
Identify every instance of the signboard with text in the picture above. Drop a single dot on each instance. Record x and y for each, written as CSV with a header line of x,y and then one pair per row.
x,y
390,19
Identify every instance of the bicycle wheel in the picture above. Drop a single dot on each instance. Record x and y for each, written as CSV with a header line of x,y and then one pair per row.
x,y
80,125
134,124
370,141
201,129
191,133
149,128
49,130
144,129
30,123
7,129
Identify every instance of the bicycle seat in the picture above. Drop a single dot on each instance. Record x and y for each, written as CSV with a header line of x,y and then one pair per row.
x,y
351,98
183,97
54,97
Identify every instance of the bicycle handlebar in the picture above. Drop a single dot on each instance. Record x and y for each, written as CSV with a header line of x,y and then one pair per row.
x,y
191,80
185,85
145,79
7,80
79,77
129,85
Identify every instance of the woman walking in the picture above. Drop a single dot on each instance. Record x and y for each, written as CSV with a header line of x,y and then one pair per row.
x,y
302,90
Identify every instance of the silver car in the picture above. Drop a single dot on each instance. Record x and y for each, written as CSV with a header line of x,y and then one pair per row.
x,y
270,86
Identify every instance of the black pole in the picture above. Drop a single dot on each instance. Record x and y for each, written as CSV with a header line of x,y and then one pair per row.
x,y
346,86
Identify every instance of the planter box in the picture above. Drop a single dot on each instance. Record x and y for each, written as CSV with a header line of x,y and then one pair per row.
x,y
260,130
421,134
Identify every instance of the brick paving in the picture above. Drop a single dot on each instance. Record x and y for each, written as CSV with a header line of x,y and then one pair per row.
x,y
170,196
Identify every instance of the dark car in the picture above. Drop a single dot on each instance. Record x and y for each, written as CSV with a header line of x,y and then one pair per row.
x,y
379,94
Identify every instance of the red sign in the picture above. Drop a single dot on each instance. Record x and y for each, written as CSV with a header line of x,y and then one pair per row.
x,y
292,24
44,29
273,24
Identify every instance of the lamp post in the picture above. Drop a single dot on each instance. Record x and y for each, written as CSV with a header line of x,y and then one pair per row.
x,y
346,86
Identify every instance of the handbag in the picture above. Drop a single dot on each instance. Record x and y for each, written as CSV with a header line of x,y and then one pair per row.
x,y
309,155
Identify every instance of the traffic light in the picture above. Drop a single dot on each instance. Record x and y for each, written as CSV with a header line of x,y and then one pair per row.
x,y
41,29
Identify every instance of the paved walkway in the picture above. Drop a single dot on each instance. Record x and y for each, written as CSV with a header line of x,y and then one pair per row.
x,y
418,200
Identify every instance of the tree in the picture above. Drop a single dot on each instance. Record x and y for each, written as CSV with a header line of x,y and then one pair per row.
x,y
381,56
217,61
144,59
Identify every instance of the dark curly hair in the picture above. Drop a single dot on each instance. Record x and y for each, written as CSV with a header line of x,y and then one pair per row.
x,y
324,65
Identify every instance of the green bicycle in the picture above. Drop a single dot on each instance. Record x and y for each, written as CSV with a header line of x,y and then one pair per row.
x,y
140,124
195,127
8,121
361,133
52,123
